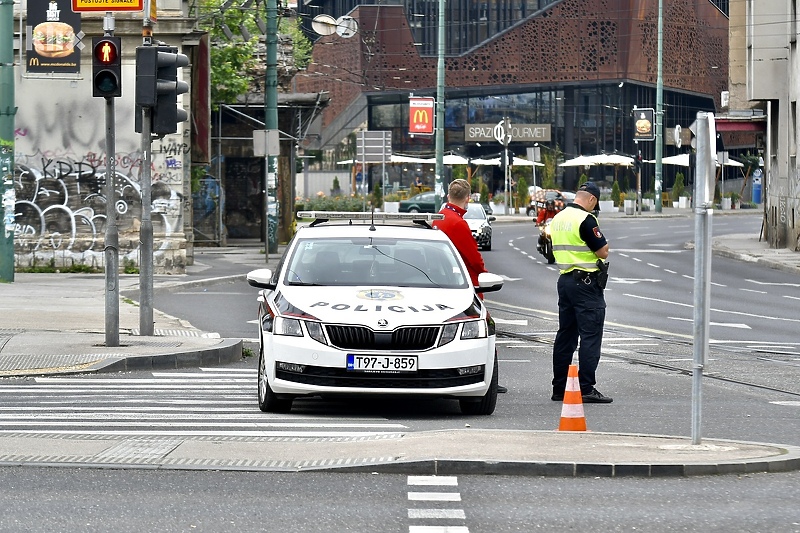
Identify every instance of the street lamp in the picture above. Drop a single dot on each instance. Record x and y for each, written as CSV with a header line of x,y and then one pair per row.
x,y
438,186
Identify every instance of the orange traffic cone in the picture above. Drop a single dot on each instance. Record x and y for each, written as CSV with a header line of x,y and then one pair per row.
x,y
572,417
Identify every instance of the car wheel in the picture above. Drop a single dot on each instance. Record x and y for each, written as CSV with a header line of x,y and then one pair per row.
x,y
413,210
486,404
268,402
529,212
488,246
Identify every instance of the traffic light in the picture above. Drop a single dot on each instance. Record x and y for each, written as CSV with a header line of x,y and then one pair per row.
x,y
106,67
510,158
158,87
637,162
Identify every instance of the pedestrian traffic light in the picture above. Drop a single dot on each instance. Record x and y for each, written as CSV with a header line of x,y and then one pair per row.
x,y
637,162
510,158
158,87
106,67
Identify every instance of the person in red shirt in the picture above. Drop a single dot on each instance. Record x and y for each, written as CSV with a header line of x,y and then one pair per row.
x,y
548,212
455,227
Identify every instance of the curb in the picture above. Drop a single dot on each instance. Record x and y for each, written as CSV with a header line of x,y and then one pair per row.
x,y
225,352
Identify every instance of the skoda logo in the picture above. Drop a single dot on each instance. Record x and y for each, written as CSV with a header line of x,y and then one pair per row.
x,y
379,294
382,323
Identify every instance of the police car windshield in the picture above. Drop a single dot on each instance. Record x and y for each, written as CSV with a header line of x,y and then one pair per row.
x,y
375,263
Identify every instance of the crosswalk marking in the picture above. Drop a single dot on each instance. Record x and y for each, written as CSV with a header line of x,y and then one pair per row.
x,y
440,513
213,402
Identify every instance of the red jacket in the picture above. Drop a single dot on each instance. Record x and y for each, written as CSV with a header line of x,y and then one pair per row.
x,y
455,227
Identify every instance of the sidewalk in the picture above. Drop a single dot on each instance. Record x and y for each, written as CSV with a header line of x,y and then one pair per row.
x,y
54,324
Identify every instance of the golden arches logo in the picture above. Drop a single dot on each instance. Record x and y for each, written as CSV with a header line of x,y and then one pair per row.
x,y
421,116
34,62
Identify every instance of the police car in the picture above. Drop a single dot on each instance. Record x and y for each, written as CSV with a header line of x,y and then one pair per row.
x,y
376,304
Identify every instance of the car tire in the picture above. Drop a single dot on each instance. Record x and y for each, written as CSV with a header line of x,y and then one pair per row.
x,y
488,246
268,401
413,210
486,404
529,212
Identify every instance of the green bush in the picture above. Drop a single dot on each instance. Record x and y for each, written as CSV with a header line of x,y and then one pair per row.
x,y
615,194
377,196
677,189
522,193
583,179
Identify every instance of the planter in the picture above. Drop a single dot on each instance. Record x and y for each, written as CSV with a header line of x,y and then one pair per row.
x,y
629,207
498,209
683,202
391,207
676,204
606,206
725,204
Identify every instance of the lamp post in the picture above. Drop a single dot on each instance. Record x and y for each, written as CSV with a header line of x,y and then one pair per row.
x,y
438,185
659,105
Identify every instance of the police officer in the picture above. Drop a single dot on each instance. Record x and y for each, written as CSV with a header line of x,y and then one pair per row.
x,y
578,244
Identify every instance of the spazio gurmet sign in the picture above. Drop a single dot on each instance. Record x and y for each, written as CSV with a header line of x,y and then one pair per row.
x,y
519,132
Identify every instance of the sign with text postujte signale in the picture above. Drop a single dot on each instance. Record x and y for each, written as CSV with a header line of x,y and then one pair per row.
x,y
80,6
420,115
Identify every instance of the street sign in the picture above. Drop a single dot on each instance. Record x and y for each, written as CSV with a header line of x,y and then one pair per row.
x,y
420,116
519,132
374,146
79,6
266,142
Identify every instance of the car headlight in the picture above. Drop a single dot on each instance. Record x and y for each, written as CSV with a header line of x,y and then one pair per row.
x,y
287,326
474,329
448,333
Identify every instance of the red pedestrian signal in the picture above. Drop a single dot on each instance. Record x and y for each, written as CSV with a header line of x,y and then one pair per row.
x,y
106,67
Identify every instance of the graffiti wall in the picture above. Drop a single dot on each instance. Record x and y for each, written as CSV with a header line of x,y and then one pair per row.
x,y
60,178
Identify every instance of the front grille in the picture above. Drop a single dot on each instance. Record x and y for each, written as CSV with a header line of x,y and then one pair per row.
x,y
363,338
340,377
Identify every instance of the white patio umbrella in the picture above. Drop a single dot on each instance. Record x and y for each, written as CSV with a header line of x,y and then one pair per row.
x,y
683,161
612,159
580,161
397,158
449,159
495,161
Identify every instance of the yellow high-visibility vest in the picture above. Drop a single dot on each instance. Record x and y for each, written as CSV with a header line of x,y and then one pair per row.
x,y
570,251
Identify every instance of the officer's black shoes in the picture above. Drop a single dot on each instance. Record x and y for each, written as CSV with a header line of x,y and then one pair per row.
x,y
501,389
557,397
595,397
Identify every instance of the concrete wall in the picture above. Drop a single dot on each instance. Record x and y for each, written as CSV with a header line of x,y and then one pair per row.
x,y
60,153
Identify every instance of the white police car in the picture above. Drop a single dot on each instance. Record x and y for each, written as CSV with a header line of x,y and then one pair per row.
x,y
371,304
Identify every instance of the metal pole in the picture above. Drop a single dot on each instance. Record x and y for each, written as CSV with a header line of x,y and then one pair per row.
x,y
704,176
440,104
271,113
659,105
7,112
112,233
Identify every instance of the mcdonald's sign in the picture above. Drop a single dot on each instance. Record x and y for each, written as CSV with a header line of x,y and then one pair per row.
x,y
420,116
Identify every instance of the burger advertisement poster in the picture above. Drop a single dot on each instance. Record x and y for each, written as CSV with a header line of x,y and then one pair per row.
x,y
643,119
52,29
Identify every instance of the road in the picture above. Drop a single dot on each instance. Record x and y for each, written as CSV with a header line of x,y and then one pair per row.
x,y
749,394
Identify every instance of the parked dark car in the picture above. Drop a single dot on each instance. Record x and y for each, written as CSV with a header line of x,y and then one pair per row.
x,y
424,202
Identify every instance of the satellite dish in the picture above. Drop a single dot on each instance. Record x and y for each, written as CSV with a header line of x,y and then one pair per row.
x,y
346,26
324,25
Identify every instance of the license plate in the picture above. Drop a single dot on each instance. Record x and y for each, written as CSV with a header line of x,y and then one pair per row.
x,y
381,363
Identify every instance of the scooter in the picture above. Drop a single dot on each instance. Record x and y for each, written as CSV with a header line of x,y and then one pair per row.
x,y
545,245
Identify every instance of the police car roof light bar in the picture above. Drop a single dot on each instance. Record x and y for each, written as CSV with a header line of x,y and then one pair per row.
x,y
324,216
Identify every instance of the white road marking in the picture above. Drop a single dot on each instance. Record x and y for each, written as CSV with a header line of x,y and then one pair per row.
x,y
509,279
791,297
751,315
790,403
453,514
721,324
633,281
438,529
652,265
753,290
448,481
512,322
772,283
434,496
670,271
625,251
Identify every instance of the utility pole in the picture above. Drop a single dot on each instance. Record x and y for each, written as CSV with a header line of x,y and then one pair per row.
x,y
439,185
7,112
271,117
659,105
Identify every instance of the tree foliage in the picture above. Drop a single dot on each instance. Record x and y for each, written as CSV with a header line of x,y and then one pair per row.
x,y
238,64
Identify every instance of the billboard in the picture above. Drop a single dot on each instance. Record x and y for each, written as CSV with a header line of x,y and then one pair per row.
x,y
420,116
643,120
52,42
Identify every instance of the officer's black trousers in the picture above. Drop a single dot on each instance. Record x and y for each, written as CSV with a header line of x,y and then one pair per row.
x,y
581,313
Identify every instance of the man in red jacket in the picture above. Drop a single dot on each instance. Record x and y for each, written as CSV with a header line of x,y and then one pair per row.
x,y
455,227
458,230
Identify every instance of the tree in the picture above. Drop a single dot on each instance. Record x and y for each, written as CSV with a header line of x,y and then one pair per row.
x,y
522,193
615,194
377,196
677,188
238,64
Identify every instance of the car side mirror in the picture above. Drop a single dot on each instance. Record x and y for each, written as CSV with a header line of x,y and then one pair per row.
x,y
261,278
488,282
492,218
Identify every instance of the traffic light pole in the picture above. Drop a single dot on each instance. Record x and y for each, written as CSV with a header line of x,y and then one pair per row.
x,y
146,229
112,233
7,112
